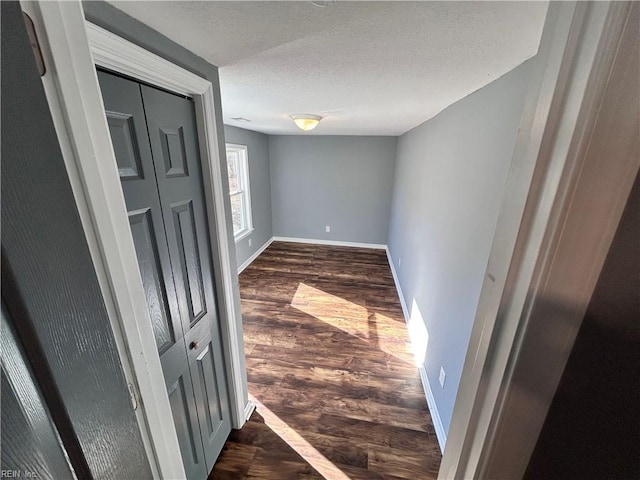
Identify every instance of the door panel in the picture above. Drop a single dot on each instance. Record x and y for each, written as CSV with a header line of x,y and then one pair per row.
x,y
187,243
185,418
154,287
174,145
173,152
125,145
212,422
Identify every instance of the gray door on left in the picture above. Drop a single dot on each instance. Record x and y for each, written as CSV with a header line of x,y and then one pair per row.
x,y
155,141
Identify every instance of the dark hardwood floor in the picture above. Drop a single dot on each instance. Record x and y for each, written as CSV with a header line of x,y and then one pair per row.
x,y
330,369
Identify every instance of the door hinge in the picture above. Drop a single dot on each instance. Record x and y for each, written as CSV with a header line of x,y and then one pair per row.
x,y
133,396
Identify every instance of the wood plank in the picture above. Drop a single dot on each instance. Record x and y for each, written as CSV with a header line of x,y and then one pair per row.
x,y
402,463
236,458
278,465
327,357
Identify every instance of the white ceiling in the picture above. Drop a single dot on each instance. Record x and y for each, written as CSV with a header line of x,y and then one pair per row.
x,y
369,68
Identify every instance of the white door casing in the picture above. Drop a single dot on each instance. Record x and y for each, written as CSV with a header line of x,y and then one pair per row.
x,y
543,211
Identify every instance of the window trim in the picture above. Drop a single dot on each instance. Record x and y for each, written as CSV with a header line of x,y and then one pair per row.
x,y
245,187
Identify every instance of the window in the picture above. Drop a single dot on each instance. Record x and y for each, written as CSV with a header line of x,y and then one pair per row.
x,y
238,169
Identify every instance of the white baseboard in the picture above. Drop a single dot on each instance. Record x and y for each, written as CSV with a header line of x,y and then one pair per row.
x,y
257,253
441,433
336,243
248,409
396,280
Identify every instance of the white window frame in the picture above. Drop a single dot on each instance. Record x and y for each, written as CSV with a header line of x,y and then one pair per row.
x,y
245,188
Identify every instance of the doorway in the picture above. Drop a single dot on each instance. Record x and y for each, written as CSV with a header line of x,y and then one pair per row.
x,y
154,137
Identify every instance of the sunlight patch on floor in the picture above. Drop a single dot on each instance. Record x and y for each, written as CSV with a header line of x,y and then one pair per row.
x,y
312,456
373,327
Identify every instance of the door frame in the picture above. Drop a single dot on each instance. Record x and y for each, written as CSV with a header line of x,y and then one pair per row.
x,y
72,47
541,219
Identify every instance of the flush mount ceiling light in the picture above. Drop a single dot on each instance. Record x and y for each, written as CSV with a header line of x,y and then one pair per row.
x,y
306,121
322,3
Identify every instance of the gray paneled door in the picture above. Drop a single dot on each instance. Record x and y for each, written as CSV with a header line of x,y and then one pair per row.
x,y
156,146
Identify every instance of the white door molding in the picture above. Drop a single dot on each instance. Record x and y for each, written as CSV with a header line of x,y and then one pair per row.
x,y
543,210
72,47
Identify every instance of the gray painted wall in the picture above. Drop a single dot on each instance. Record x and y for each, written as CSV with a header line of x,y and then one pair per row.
x,y
260,187
341,181
449,182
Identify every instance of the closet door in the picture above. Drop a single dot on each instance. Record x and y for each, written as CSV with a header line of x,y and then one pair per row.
x,y
171,123
128,128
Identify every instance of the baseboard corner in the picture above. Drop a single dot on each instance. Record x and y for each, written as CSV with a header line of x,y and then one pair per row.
x,y
248,409
396,280
255,255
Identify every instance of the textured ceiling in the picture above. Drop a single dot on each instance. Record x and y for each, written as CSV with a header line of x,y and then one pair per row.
x,y
369,68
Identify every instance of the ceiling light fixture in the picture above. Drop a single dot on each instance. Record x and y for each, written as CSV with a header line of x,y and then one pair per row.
x,y
322,3
306,121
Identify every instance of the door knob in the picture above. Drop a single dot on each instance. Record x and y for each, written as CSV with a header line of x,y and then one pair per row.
x,y
193,345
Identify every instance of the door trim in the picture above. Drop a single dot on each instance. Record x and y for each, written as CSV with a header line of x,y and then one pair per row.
x,y
542,210
72,47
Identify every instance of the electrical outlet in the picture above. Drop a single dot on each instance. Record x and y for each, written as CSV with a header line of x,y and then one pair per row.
x,y
399,261
327,228
442,377
249,242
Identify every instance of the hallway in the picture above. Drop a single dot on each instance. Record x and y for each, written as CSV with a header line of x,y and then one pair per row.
x,y
330,368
